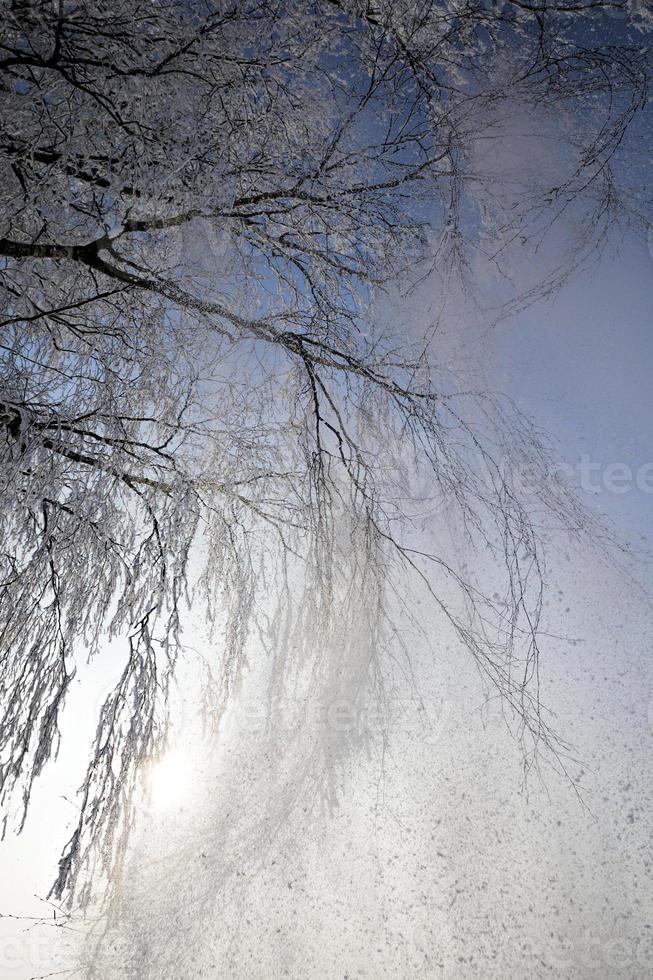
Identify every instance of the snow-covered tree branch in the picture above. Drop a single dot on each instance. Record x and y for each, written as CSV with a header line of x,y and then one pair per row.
x,y
200,206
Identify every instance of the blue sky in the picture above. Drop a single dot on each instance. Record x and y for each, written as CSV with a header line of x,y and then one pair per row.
x,y
582,364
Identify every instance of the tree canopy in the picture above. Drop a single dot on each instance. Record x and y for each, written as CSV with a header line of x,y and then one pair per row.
x,y
201,204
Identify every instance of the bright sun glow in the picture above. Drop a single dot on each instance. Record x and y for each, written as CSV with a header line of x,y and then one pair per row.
x,y
170,781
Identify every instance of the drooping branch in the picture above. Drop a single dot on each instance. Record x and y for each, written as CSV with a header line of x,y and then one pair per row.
x,y
200,209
